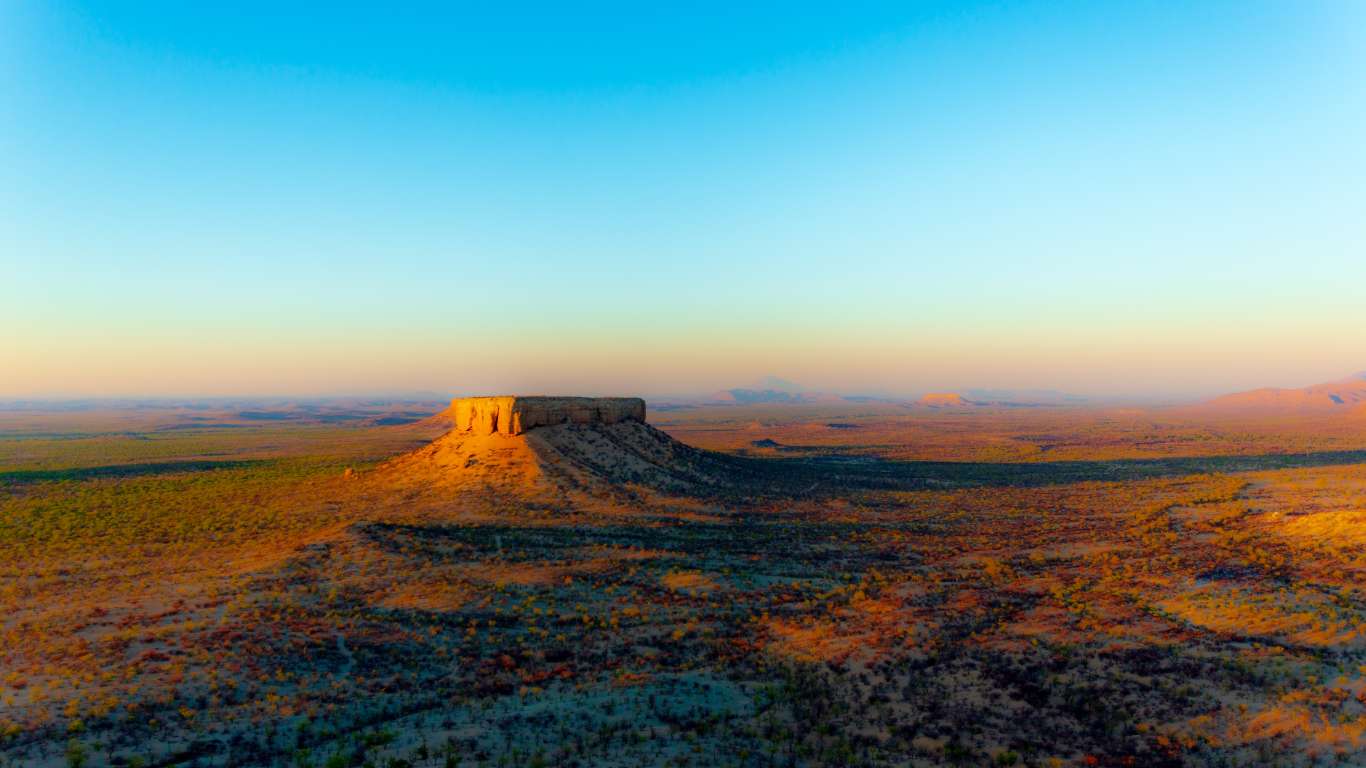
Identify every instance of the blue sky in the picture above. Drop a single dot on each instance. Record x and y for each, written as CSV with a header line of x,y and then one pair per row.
x,y
1118,198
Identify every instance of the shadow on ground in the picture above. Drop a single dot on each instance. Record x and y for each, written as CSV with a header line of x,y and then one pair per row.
x,y
121,470
870,473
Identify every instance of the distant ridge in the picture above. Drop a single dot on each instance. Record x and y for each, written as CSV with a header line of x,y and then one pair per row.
x,y
1345,395
946,400
741,396
1025,397
770,389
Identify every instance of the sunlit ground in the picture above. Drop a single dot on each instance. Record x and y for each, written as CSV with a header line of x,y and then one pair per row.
x,y
261,605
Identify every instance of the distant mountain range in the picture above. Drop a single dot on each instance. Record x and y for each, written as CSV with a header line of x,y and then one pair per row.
x,y
775,390
745,396
770,389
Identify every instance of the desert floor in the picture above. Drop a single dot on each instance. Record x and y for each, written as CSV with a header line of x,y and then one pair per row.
x,y
876,586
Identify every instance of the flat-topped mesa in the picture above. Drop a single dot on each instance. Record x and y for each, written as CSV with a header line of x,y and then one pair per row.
x,y
512,415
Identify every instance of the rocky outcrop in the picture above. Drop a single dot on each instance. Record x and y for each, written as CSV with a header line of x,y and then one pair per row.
x,y
512,415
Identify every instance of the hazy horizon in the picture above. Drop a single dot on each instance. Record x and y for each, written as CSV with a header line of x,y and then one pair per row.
x,y
1150,200
983,393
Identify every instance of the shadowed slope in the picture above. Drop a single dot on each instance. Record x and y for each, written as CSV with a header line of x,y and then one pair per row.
x,y
567,458
568,461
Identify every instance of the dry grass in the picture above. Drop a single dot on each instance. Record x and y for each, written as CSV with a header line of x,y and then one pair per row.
x,y
1186,618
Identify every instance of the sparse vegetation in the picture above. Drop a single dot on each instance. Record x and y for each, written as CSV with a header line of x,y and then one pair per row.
x,y
267,607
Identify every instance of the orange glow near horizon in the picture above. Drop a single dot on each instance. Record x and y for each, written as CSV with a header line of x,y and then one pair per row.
x,y
1087,361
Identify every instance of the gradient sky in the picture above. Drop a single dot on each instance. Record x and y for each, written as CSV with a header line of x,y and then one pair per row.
x,y
1108,198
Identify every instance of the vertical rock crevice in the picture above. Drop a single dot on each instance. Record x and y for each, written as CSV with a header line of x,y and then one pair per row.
x,y
512,415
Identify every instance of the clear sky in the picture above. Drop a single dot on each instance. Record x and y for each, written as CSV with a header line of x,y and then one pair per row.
x,y
1108,198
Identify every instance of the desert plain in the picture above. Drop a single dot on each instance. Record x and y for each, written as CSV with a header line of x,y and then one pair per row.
x,y
847,583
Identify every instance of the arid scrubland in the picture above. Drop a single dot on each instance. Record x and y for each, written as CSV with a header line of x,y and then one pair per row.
x,y
1052,587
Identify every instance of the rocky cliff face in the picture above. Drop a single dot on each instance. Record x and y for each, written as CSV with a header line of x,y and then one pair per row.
x,y
511,415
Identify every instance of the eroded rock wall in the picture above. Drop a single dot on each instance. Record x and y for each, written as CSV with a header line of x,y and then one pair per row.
x,y
512,415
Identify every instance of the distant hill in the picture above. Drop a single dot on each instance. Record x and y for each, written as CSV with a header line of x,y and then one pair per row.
x,y
946,400
1025,397
1346,395
758,396
771,389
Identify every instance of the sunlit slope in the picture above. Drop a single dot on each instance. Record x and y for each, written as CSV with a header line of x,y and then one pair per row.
x,y
1345,396
550,461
